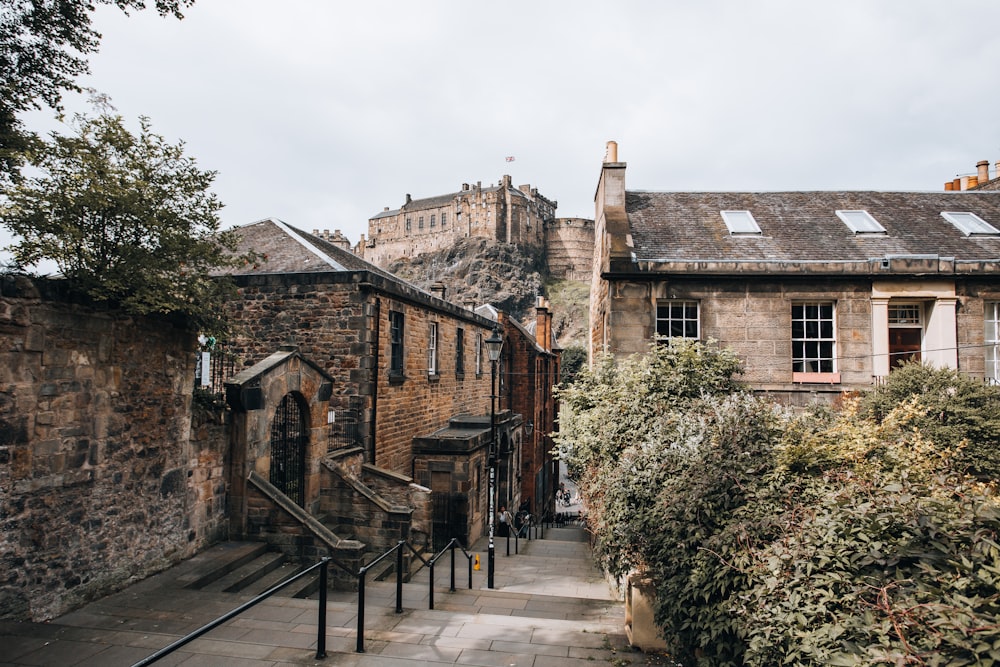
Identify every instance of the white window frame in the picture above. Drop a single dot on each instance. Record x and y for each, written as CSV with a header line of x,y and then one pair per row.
x,y
432,349
970,224
824,364
992,341
682,318
861,222
740,223
479,354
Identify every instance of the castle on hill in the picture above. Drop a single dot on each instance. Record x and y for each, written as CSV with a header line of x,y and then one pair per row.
x,y
517,215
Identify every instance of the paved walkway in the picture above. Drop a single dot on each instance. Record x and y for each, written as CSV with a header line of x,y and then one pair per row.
x,y
550,608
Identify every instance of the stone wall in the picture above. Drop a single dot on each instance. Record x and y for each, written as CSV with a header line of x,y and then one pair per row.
x,y
99,483
569,248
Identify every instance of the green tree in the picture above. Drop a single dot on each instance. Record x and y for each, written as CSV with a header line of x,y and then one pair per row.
x,y
127,218
43,48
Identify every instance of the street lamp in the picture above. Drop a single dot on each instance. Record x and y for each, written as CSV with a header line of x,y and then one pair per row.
x,y
493,346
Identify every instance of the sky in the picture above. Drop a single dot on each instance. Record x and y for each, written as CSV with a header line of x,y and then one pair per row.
x,y
323,113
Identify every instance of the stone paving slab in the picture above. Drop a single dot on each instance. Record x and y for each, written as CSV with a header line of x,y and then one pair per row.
x,y
550,608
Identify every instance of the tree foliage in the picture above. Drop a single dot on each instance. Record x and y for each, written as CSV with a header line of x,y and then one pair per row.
x,y
127,218
43,48
845,537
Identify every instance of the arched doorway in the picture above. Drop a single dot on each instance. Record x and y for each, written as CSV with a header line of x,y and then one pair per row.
x,y
289,438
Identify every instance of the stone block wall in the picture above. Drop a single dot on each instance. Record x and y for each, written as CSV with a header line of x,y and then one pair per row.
x,y
569,248
99,483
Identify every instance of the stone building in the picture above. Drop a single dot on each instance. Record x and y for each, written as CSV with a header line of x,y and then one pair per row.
x,y
818,292
501,212
400,384
569,248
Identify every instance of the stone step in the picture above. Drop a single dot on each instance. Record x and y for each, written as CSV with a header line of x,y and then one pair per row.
x,y
218,561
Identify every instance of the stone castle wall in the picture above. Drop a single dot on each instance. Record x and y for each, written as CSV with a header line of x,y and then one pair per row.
x,y
569,248
101,483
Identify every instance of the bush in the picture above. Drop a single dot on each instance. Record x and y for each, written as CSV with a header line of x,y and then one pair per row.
x,y
956,412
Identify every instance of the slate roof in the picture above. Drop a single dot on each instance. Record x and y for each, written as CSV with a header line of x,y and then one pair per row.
x,y
291,250
803,226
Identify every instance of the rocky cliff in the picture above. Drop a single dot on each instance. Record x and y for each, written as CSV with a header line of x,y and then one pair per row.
x,y
482,270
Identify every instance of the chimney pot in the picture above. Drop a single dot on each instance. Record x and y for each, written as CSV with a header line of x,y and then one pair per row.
x,y
612,152
983,171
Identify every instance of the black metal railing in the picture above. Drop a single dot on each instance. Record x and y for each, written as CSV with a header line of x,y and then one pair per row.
x,y
322,565
323,568
398,552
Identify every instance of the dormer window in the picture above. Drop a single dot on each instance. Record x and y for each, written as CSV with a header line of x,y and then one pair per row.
x,y
741,223
970,224
861,222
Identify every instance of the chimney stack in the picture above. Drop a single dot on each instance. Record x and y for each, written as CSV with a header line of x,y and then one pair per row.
x,y
438,289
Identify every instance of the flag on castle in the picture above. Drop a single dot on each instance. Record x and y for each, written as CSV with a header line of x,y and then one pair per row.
x,y
510,158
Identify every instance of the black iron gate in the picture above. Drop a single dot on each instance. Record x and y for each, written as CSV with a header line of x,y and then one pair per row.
x,y
288,450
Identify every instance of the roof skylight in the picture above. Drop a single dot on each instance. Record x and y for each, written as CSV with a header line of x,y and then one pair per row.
x,y
970,224
740,223
861,222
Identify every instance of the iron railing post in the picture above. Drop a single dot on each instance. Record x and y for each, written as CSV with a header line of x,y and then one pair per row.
x,y
430,593
361,612
321,621
399,577
452,589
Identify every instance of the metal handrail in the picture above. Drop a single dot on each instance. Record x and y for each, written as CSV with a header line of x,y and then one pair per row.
x,y
398,550
322,565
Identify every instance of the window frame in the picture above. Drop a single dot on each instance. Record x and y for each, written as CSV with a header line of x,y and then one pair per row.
x,y
830,374
397,344
961,221
432,349
460,352
683,320
869,225
991,344
479,354
740,222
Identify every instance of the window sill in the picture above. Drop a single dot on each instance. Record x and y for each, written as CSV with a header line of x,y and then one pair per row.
x,y
460,375
816,378
396,377
433,377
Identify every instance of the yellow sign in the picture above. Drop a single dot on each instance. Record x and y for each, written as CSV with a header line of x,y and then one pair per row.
x,y
475,565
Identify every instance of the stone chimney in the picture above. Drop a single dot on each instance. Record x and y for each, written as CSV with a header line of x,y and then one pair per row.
x,y
983,171
543,324
438,289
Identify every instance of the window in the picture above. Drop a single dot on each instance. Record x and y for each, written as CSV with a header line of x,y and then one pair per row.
x,y
420,223
395,343
432,349
741,223
677,319
993,342
409,225
813,342
444,219
460,352
479,354
905,333
970,224
861,222
433,222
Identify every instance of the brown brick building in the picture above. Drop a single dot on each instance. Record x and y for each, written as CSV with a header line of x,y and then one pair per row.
x,y
407,402
818,292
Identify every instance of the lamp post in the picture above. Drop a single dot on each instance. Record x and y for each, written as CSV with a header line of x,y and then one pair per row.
x,y
493,346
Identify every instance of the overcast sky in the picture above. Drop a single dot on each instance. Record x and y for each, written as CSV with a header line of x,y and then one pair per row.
x,y
321,113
